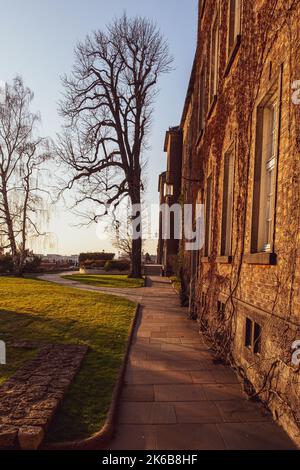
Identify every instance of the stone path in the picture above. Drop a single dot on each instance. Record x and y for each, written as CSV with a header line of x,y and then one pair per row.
x,y
175,397
131,293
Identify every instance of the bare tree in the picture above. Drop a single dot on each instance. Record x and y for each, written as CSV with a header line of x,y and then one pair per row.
x,y
108,106
21,158
122,239
120,227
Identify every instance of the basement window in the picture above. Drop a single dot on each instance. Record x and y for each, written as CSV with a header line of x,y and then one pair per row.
x,y
253,334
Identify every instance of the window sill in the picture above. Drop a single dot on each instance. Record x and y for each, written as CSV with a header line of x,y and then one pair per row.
x,y
250,352
233,54
212,107
261,258
224,259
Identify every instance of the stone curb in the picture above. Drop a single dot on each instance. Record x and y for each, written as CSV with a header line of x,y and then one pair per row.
x,y
101,439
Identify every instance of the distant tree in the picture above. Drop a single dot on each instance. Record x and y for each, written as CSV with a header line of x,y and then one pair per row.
x,y
122,239
108,106
22,156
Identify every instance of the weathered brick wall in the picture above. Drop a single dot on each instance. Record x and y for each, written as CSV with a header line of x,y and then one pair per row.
x,y
265,293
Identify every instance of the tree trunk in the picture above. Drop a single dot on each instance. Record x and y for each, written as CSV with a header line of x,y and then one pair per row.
x,y
136,255
136,264
10,229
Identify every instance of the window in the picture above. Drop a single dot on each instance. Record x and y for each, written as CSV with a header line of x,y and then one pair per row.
x,y
253,334
263,213
257,338
221,310
202,98
248,338
208,217
214,61
227,207
201,7
234,24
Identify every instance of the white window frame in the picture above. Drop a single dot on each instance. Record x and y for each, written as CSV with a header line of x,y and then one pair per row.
x,y
270,125
227,204
208,216
236,27
214,60
202,97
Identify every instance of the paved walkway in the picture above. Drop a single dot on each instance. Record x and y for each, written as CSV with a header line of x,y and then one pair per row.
x,y
175,397
134,294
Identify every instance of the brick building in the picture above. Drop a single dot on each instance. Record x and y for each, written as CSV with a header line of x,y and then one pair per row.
x,y
240,158
169,187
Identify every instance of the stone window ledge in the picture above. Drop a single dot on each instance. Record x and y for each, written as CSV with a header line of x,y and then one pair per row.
x,y
224,259
260,258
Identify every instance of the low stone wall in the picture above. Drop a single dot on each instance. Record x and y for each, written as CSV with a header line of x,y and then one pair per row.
x,y
30,398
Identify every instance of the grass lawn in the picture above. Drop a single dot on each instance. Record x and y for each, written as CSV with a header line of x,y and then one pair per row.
x,y
41,311
106,280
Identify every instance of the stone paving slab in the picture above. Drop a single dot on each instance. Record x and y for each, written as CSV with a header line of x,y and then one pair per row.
x,y
179,392
254,436
30,398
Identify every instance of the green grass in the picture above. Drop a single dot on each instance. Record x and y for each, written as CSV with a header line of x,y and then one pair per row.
x,y
41,311
106,280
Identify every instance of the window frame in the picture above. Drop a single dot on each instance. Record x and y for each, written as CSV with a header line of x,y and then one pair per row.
x,y
213,69
202,8
229,171
202,97
258,245
208,216
237,27
252,336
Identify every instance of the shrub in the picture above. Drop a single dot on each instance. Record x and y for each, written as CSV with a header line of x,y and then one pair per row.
x,y
89,263
6,263
33,265
83,257
117,265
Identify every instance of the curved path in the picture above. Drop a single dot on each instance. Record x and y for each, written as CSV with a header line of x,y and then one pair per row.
x,y
131,293
175,397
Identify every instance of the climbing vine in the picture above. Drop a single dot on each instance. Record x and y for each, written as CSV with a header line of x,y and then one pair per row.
x,y
276,379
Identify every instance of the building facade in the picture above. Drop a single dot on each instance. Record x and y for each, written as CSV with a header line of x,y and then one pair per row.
x,y
169,187
241,160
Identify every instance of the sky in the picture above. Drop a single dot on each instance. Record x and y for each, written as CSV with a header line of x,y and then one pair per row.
x,y
37,40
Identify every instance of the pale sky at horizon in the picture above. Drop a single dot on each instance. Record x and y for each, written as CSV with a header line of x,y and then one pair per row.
x,y
37,40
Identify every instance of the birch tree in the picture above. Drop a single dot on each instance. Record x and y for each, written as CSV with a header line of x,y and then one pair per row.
x,y
22,156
